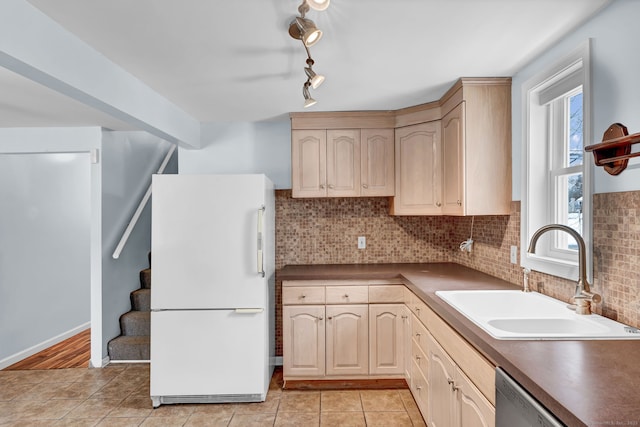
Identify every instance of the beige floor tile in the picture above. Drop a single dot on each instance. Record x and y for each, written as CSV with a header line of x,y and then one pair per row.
x,y
63,375
381,400
300,401
77,390
14,390
91,408
77,422
388,419
165,421
202,419
342,419
288,419
340,401
114,390
120,422
269,406
32,423
252,420
52,409
132,407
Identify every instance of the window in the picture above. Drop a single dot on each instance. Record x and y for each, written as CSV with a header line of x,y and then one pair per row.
x,y
556,182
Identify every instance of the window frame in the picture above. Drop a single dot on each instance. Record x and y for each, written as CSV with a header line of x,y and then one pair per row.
x,y
538,204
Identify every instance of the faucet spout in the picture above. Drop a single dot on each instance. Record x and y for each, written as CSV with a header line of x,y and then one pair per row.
x,y
583,295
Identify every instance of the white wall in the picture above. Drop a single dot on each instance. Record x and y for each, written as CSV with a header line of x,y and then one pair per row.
x,y
242,147
128,161
615,66
47,182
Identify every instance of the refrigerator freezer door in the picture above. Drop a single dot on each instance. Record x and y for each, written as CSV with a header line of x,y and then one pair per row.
x,y
205,241
209,356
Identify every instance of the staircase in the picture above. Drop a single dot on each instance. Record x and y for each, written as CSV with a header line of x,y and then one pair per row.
x,y
135,325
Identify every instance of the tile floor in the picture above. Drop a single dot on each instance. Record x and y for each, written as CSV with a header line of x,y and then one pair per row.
x,y
118,395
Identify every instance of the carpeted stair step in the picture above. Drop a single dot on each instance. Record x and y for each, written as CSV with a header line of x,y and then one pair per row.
x,y
141,299
145,278
129,348
136,323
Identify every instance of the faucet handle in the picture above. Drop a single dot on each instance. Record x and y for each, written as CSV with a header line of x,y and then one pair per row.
x,y
589,296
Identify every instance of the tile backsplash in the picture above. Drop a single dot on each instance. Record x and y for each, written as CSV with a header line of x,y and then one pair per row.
x,y
325,231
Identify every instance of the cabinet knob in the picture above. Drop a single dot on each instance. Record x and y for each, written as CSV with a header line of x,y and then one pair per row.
x,y
331,186
438,204
459,203
330,317
346,295
321,185
320,318
303,296
417,357
365,186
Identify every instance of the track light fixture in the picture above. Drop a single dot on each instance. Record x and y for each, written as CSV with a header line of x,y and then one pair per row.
x,y
305,30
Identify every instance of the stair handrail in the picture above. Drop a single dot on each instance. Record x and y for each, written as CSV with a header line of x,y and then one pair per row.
x,y
141,206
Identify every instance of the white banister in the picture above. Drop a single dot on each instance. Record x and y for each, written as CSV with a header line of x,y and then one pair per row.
x,y
141,206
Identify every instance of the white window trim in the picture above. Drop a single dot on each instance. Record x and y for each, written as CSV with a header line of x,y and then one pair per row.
x,y
575,65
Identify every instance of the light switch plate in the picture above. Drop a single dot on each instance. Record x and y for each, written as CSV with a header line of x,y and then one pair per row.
x,y
362,242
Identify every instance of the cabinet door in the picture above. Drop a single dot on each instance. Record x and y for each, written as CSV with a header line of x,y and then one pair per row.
x,y
386,339
418,158
377,162
453,138
473,409
308,163
343,163
303,339
441,380
347,339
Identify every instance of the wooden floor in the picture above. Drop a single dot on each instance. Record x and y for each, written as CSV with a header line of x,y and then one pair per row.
x,y
73,352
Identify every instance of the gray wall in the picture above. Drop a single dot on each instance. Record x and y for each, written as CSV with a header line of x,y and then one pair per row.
x,y
615,86
243,147
128,161
45,237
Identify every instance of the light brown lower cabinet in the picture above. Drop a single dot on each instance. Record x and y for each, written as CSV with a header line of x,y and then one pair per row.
x,y
453,399
303,339
387,323
347,348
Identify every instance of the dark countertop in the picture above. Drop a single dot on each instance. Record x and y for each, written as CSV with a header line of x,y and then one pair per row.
x,y
583,382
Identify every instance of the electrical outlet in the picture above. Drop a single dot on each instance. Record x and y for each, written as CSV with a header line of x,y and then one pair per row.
x,y
514,254
362,242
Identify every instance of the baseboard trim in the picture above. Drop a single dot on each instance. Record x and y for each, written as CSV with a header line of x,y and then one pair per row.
x,y
114,362
278,360
21,355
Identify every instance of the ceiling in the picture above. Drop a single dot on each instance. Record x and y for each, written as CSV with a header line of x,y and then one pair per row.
x,y
233,60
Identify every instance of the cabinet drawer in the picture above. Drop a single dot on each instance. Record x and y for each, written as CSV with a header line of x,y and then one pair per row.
x,y
303,295
420,310
419,334
419,357
386,293
347,294
419,388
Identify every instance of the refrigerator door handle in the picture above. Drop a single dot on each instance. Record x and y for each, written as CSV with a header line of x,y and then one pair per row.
x,y
248,310
260,251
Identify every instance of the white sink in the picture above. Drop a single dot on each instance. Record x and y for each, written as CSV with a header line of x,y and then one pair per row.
x,y
530,315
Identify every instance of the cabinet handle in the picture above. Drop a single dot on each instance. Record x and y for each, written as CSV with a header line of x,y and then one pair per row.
x,y
417,309
405,316
418,334
418,388
417,357
459,203
365,186
438,204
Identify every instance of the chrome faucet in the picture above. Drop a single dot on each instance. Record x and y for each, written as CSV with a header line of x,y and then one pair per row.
x,y
583,296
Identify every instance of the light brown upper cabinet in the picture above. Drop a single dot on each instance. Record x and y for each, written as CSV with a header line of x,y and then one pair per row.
x,y
418,170
476,146
325,163
342,162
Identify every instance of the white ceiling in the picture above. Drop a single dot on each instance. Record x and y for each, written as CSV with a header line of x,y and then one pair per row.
x,y
234,60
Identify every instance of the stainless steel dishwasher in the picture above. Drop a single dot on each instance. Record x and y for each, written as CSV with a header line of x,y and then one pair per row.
x,y
515,407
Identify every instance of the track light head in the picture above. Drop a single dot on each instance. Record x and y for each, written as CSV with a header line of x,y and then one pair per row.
x,y
319,5
315,79
305,29
308,100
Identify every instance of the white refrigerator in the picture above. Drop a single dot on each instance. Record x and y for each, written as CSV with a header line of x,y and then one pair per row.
x,y
212,291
